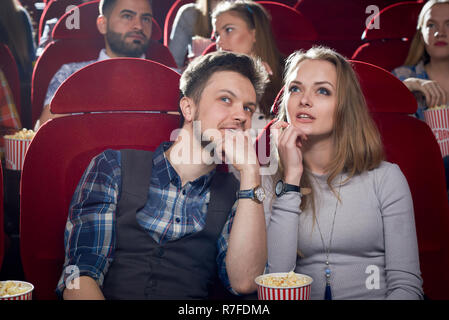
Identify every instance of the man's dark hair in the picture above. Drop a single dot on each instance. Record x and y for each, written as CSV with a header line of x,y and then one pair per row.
x,y
106,6
195,77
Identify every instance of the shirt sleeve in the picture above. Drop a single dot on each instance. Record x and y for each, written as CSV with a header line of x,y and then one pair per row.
x,y
404,72
403,276
89,235
182,33
222,245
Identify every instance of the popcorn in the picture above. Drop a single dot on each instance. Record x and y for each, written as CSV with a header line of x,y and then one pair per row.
x,y
23,134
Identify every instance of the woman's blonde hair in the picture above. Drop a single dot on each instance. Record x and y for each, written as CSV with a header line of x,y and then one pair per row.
x,y
417,51
265,47
356,139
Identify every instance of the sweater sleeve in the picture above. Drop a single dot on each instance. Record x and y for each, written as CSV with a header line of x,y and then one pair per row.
x,y
182,33
403,276
282,232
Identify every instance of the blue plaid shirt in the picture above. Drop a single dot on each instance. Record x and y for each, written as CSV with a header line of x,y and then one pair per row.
x,y
172,211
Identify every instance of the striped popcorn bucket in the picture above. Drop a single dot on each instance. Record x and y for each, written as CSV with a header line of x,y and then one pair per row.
x,y
438,121
15,150
300,292
27,295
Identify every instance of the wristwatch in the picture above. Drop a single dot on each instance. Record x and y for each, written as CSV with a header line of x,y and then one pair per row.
x,y
257,194
282,187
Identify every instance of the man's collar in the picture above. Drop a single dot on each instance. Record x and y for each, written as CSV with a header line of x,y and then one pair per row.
x,y
104,56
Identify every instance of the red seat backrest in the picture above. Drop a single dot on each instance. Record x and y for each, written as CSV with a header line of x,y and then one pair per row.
x,y
54,9
9,67
170,18
395,21
388,54
138,93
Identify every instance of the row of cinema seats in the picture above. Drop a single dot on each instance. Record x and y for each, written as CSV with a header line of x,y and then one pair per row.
x,y
63,147
293,30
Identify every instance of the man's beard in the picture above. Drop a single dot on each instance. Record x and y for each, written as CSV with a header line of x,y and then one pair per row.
x,y
121,48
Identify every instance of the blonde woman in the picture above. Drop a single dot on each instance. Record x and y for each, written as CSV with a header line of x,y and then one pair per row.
x,y
426,69
245,27
350,225
192,19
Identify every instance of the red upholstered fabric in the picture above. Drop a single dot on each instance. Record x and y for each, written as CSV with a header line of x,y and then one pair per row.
x,y
395,21
55,161
387,53
291,29
100,87
170,18
54,9
9,67
88,13
410,143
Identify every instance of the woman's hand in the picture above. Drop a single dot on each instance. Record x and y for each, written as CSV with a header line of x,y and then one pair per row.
x,y
433,92
289,139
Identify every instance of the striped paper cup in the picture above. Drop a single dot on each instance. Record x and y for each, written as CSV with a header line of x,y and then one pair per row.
x,y
26,295
15,150
299,292
438,121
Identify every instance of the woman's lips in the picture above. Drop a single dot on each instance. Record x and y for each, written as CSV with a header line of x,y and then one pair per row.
x,y
440,44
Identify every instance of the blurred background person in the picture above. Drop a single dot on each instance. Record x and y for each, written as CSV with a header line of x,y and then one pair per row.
x,y
16,32
192,19
426,69
245,27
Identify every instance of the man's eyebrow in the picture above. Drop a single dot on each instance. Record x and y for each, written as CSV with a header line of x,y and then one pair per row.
x,y
146,14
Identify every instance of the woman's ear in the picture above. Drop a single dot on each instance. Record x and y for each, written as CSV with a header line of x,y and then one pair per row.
x,y
102,24
187,108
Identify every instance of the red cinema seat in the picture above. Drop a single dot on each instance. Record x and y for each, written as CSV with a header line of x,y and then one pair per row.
x,y
99,87
54,9
291,29
63,147
9,67
83,44
386,53
389,34
170,18
410,143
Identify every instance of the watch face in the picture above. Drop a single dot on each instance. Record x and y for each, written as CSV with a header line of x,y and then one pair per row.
x,y
278,188
260,194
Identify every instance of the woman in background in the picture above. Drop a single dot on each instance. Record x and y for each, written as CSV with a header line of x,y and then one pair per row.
x,y
426,69
245,27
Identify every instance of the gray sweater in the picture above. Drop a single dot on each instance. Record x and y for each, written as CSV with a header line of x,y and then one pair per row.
x,y
374,252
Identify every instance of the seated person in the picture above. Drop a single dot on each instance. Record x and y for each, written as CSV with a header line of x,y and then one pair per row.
x,y
126,26
353,214
426,69
245,27
146,225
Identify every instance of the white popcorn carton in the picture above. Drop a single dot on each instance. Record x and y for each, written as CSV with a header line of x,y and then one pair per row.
x,y
438,120
16,147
